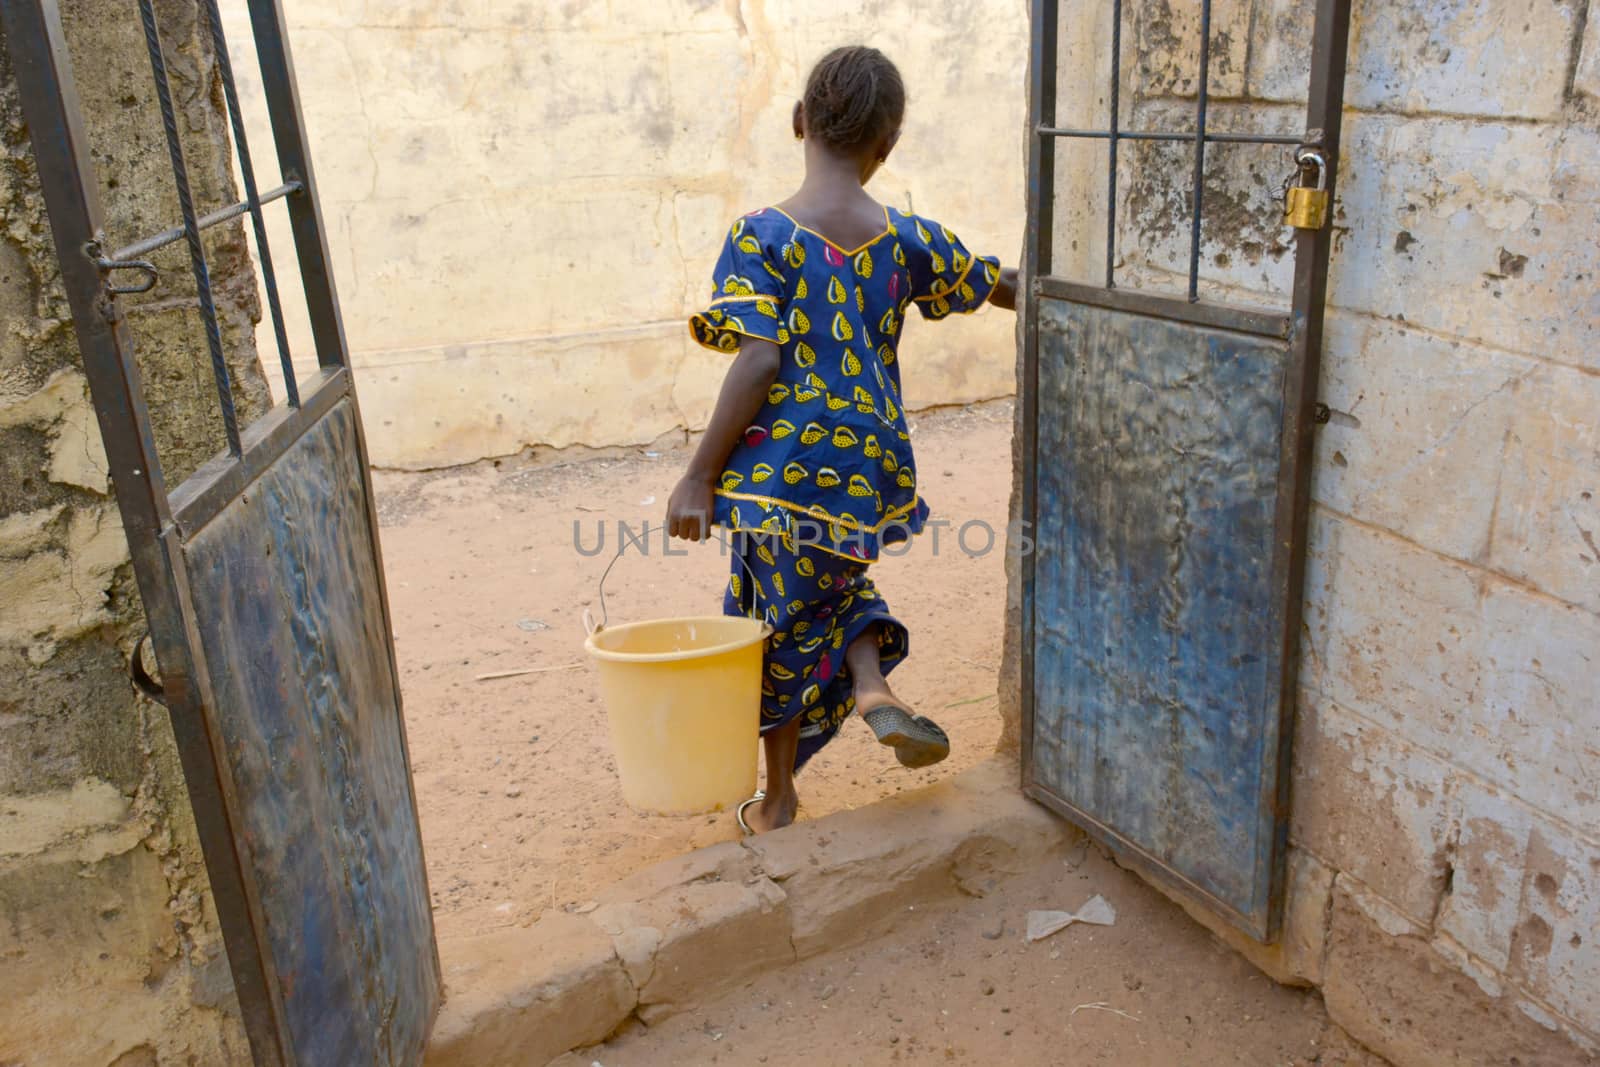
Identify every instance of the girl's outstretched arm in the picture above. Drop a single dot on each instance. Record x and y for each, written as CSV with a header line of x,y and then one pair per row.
x,y
744,391
1004,294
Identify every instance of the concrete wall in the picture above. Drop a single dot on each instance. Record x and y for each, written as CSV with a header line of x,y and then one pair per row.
x,y
109,947
526,199
1445,850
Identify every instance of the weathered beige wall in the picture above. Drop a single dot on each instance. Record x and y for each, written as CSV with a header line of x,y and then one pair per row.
x,y
109,947
526,199
1446,830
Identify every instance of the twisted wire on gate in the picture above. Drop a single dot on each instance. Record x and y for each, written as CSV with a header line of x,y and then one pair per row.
x,y
247,173
191,228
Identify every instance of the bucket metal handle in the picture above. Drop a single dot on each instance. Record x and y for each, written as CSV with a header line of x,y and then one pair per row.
x,y
592,627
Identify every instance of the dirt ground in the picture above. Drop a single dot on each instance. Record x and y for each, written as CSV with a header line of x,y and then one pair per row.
x,y
516,787
521,811
960,984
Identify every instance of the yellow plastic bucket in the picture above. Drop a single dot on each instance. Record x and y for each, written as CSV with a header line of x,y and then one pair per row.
x,y
683,699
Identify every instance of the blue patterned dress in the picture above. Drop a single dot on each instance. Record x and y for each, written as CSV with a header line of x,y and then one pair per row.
x,y
825,476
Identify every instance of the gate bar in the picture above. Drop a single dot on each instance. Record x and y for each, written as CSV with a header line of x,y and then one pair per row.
x,y
43,71
197,252
1324,118
1199,150
294,163
140,249
1038,253
1112,136
1151,135
247,173
1258,321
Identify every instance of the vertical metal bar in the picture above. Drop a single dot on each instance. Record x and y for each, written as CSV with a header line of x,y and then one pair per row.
x,y
49,98
1199,150
191,227
1040,250
294,161
1038,256
247,173
1324,108
1113,136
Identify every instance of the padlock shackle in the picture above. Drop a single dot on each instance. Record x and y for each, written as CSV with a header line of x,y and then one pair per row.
x,y
1306,157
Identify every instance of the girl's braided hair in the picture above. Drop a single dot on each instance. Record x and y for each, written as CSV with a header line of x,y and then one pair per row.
x,y
853,97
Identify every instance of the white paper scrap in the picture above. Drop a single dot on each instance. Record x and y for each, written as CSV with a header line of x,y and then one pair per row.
x,y
1097,911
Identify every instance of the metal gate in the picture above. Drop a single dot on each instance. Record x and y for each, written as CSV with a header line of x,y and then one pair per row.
x,y
1166,467
263,586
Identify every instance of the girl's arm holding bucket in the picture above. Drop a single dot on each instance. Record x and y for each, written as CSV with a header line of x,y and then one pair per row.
x,y
744,391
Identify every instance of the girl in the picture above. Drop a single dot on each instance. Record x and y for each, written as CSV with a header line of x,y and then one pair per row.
x,y
807,460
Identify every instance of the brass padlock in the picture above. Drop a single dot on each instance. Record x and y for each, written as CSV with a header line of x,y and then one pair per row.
x,y
1306,207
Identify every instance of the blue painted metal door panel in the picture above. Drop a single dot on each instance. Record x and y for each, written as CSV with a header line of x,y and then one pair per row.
x,y
1158,638
289,609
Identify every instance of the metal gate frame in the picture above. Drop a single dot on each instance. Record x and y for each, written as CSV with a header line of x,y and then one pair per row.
x,y
155,522
1301,326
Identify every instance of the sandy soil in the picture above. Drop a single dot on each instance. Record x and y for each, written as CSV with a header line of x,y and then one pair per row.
x,y
959,984
517,791
521,811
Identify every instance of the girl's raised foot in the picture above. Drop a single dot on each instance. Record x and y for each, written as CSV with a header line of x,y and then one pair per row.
x,y
916,739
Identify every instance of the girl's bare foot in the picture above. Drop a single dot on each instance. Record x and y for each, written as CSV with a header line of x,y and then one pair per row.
x,y
773,812
777,808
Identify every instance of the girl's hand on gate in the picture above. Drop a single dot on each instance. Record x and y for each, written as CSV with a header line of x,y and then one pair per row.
x,y
689,509
1004,294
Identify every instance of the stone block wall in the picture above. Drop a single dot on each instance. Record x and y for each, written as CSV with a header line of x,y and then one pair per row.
x,y
109,947
1445,856
525,200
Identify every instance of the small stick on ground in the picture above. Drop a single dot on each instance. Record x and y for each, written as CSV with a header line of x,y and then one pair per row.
x,y
520,671
1102,1006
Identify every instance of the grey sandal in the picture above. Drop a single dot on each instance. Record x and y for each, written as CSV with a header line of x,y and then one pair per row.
x,y
738,812
916,739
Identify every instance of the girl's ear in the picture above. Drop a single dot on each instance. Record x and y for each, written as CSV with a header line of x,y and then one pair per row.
x,y
799,120
888,146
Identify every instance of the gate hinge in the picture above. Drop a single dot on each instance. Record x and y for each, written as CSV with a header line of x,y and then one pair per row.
x,y
142,679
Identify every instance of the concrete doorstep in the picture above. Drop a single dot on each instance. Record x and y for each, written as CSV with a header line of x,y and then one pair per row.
x,y
688,929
